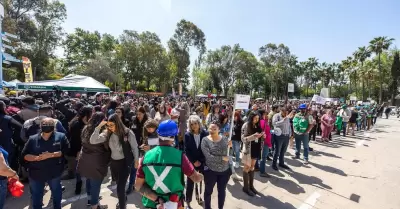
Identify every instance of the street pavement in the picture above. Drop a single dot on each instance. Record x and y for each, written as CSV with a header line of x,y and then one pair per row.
x,y
354,172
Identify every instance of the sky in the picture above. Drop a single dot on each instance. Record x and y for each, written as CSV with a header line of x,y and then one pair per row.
x,y
329,30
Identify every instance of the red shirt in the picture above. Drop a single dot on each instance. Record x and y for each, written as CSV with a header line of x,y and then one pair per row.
x,y
187,167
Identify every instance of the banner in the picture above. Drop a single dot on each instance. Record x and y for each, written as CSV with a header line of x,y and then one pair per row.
x,y
27,69
318,99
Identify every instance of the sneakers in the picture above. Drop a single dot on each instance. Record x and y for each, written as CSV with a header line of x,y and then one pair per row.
x,y
236,165
305,162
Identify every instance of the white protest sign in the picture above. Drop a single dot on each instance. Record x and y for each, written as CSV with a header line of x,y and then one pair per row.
x,y
290,87
353,98
318,99
324,92
242,101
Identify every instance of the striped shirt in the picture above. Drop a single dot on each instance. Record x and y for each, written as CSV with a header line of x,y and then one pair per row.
x,y
278,121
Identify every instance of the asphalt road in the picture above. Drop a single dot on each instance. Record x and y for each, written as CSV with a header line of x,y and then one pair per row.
x,y
359,172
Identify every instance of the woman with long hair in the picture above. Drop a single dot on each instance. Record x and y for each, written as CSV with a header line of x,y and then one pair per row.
x,y
75,142
162,113
124,151
225,125
216,170
192,142
267,141
93,160
121,113
252,138
150,136
236,137
213,115
137,127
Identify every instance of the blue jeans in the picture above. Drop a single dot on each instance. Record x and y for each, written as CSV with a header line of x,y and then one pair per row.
x,y
344,128
264,158
3,192
281,144
303,138
132,177
37,190
93,187
236,149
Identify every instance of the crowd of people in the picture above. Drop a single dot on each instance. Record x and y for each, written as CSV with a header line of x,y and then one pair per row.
x,y
151,143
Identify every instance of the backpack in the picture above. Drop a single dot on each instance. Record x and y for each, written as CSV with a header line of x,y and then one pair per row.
x,y
32,129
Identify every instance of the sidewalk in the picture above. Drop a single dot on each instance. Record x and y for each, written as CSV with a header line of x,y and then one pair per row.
x,y
355,172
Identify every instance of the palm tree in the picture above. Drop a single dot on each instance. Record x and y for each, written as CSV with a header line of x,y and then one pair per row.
x,y
378,45
361,55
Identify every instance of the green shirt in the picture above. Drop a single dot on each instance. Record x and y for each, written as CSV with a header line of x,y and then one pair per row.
x,y
162,167
301,122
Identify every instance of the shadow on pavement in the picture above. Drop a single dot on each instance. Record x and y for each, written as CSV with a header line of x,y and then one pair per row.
x,y
288,185
260,200
329,169
321,153
310,180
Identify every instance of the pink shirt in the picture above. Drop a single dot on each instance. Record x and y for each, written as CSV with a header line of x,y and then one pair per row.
x,y
267,130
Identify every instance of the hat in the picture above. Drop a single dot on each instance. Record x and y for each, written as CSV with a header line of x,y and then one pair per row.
x,y
303,106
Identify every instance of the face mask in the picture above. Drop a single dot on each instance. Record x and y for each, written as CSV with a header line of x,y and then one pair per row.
x,y
47,129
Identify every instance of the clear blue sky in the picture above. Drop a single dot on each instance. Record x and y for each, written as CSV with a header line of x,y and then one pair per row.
x,y
330,30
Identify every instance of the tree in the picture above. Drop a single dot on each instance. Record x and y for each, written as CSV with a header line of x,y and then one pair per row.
x,y
395,72
276,59
80,47
187,34
378,45
361,55
38,23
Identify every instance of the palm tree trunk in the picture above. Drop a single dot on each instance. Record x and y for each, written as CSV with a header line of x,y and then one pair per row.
x,y
381,80
369,89
355,83
362,85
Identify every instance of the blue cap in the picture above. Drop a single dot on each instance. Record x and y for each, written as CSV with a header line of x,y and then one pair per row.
x,y
167,128
303,106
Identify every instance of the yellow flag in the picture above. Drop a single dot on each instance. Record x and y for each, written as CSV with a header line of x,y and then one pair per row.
x,y
27,69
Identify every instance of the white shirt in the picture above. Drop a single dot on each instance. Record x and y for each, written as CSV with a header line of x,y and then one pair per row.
x,y
197,139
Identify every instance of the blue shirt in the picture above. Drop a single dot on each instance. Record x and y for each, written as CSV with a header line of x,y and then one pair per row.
x,y
50,168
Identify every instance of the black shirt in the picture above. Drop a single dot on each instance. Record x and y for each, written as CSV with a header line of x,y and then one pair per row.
x,y
50,168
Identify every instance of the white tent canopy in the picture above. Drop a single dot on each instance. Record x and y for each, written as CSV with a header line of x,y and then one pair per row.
x,y
68,83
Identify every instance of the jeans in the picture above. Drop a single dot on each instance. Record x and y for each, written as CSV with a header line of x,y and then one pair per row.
x,y
303,138
344,127
273,142
210,179
264,156
3,192
132,177
93,187
281,145
236,149
121,171
37,190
